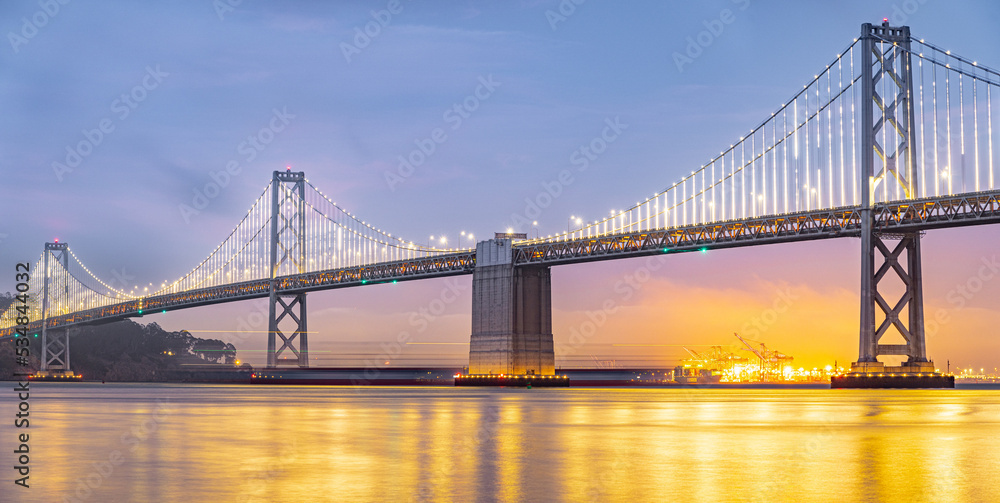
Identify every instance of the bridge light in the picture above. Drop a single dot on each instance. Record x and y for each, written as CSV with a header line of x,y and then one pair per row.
x,y
703,250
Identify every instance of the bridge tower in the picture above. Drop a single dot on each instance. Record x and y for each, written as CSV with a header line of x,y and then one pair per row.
x,y
511,314
888,147
288,256
55,348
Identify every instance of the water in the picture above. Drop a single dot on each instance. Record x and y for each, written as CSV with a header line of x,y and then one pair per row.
x,y
191,443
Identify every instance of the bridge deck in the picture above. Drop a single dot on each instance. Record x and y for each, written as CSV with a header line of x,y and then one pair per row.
x,y
901,216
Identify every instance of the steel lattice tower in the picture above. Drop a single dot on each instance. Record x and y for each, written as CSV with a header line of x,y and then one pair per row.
x,y
888,147
55,354
288,246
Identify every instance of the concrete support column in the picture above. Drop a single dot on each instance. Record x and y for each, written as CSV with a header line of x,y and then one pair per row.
x,y
511,314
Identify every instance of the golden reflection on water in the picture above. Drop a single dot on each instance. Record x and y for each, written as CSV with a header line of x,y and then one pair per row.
x,y
254,443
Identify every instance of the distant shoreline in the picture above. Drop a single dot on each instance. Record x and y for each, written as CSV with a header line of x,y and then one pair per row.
x,y
579,385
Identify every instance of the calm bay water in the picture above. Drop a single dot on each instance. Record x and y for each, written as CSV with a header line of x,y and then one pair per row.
x,y
190,443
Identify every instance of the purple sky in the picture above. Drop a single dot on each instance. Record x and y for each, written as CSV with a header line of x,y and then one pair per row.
x,y
203,79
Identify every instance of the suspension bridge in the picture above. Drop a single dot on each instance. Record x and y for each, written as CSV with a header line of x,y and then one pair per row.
x,y
893,137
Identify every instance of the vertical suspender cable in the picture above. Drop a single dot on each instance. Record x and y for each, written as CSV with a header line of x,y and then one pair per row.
x,y
947,93
829,138
975,127
989,129
808,166
743,184
961,123
923,151
784,158
934,122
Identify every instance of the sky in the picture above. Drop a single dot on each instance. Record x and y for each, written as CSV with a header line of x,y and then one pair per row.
x,y
164,96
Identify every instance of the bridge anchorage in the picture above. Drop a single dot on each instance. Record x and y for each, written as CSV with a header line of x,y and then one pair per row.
x,y
511,342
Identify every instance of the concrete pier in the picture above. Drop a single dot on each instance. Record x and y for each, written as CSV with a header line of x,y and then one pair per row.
x,y
511,314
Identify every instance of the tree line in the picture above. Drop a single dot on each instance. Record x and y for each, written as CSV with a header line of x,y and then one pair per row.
x,y
126,351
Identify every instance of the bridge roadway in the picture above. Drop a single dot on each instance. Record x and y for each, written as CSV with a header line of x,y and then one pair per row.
x,y
895,217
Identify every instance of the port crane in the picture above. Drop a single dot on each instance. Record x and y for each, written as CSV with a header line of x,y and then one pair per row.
x,y
771,362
